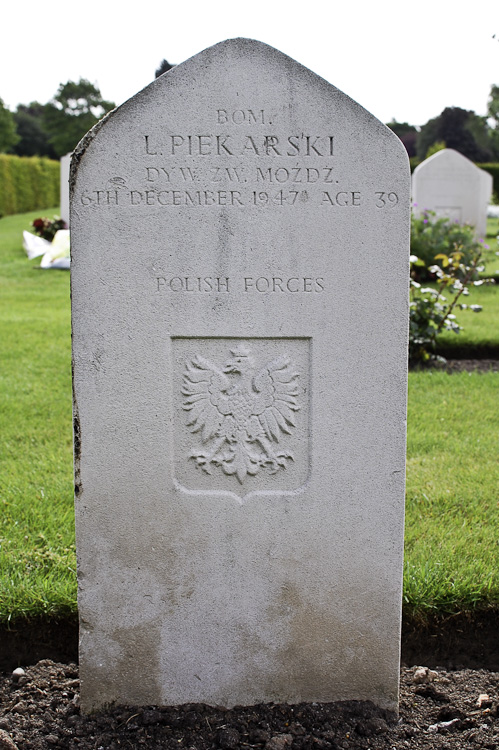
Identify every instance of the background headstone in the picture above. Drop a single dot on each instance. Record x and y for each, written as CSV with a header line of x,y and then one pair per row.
x,y
240,265
64,190
452,186
486,189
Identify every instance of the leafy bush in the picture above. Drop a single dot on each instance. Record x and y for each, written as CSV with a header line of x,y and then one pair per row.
x,y
435,148
492,169
414,162
430,311
433,238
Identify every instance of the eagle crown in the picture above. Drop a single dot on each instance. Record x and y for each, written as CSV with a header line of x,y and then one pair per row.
x,y
240,363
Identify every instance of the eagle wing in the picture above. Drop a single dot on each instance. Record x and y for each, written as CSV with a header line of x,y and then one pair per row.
x,y
276,399
204,390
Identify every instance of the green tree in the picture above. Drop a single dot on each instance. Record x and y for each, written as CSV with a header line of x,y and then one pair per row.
x,y
76,107
408,134
428,135
164,67
8,134
460,129
493,113
33,140
493,104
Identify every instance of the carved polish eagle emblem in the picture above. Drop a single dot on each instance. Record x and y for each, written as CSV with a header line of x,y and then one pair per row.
x,y
240,412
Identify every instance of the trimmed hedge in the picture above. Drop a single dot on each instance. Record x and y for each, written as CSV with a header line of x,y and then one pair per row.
x,y
28,184
492,169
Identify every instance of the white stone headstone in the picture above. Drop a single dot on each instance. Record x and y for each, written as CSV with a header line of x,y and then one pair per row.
x,y
64,189
240,265
452,186
486,190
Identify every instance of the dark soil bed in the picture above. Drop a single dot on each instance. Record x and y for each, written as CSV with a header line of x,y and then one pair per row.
x,y
472,365
454,706
479,364
440,709
468,352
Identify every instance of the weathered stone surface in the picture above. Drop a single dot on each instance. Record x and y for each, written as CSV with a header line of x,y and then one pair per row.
x,y
240,245
452,186
64,189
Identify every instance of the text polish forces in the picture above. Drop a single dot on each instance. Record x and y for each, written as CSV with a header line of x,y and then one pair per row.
x,y
248,284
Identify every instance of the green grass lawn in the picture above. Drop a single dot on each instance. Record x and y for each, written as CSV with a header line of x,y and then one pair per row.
x,y
480,330
37,555
452,544
490,253
452,498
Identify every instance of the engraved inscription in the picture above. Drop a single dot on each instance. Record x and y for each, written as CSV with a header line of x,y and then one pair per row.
x,y
243,117
341,198
249,284
282,198
231,174
240,412
216,284
294,174
181,171
192,198
176,144
292,284
386,200
184,174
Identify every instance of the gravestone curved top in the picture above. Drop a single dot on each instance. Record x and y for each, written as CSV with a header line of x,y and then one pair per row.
x,y
453,187
240,257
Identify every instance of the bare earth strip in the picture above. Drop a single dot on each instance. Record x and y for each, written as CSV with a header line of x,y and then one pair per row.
x,y
438,709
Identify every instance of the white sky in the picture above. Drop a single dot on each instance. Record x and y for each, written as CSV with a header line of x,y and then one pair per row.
x,y
399,59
